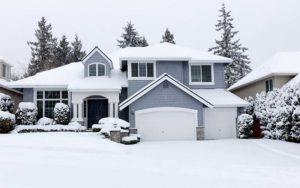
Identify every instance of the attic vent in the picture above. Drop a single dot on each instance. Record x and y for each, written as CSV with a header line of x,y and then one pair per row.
x,y
165,84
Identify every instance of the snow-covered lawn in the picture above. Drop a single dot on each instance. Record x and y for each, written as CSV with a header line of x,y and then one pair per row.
x,y
77,160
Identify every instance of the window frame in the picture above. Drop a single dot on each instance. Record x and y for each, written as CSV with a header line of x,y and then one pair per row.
x,y
268,84
201,83
97,64
141,77
61,99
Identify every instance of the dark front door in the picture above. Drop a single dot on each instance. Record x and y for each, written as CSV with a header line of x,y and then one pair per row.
x,y
97,109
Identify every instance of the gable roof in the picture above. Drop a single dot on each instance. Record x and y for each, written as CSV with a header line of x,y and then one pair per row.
x,y
168,52
155,83
281,64
97,49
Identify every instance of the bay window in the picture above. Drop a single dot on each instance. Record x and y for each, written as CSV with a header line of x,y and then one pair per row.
x,y
46,100
201,74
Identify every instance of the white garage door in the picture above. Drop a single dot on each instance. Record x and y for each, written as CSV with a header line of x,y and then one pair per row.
x,y
166,123
220,123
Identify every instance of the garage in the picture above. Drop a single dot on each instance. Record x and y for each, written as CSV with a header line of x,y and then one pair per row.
x,y
220,123
166,123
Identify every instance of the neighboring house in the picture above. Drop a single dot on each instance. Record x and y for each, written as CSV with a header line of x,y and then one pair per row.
x,y
5,77
166,91
274,73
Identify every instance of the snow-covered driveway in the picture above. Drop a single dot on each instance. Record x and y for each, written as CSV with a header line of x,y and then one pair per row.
x,y
84,160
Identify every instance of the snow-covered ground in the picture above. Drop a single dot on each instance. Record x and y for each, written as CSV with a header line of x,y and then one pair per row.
x,y
77,160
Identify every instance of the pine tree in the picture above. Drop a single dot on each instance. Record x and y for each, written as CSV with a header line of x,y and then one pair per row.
x,y
42,51
76,53
168,37
130,37
143,42
62,52
227,46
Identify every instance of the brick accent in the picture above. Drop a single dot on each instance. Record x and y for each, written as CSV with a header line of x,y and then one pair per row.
x,y
200,133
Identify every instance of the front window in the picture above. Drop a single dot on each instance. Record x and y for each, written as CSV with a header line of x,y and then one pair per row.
x,y
269,85
142,70
201,74
46,100
97,69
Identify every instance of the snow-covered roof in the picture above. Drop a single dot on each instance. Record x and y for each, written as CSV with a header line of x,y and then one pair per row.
x,y
168,51
221,98
2,60
284,63
71,76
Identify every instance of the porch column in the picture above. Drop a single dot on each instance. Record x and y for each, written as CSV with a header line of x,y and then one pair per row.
x,y
74,111
116,110
111,112
80,112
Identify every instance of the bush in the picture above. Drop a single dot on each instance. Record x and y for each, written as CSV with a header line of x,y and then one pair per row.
x,y
26,113
7,121
45,121
61,113
245,122
6,104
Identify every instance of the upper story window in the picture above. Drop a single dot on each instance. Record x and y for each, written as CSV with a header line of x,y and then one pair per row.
x,y
4,71
97,69
201,74
144,70
269,85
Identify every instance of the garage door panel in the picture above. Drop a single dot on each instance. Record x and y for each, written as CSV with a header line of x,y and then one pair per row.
x,y
166,124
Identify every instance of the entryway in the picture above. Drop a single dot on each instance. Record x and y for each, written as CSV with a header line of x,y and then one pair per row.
x,y
96,110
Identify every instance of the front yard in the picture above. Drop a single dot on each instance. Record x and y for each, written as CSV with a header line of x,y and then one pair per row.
x,y
79,160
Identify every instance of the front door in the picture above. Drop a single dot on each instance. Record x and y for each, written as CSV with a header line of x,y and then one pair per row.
x,y
97,109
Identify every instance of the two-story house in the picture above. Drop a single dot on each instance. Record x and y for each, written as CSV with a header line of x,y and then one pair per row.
x,y
166,91
5,78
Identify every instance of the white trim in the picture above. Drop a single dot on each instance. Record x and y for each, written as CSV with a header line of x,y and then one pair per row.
x,y
155,83
96,49
97,64
166,109
201,83
124,58
141,78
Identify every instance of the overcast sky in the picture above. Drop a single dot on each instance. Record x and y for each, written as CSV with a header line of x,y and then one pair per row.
x,y
266,26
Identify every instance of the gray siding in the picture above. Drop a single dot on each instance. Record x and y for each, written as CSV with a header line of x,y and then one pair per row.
x,y
166,97
135,85
219,77
28,95
96,58
173,68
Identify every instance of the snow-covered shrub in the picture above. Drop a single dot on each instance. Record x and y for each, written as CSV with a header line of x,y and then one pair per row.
x,y
26,113
131,139
45,121
61,113
6,104
7,121
295,128
244,123
249,109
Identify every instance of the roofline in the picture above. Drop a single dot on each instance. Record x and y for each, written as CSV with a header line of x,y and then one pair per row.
x,y
101,52
39,86
5,62
10,89
261,78
95,90
155,83
173,59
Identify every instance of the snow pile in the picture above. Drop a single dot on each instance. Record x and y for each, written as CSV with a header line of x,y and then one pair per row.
x,y
6,104
108,124
7,121
71,127
244,124
26,113
131,139
45,121
279,113
61,113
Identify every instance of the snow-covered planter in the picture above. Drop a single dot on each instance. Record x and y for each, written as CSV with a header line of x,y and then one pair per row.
x,y
245,122
61,113
7,121
6,104
26,113
108,124
45,121
131,139
71,127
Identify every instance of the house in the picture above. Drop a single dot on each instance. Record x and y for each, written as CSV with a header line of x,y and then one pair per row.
x,y
5,77
274,73
166,91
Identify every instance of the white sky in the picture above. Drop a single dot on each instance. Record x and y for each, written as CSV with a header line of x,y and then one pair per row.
x,y
266,26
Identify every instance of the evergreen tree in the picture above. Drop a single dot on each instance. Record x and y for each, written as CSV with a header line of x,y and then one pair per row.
x,y
143,42
168,37
42,51
62,53
130,37
227,46
76,53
